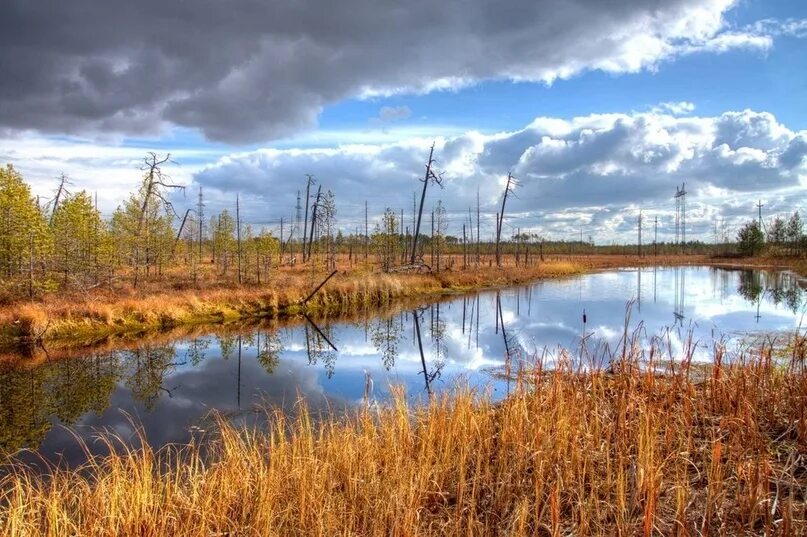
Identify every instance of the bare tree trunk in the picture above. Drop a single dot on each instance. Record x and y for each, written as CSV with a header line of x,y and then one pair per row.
x,y
430,175
500,220
238,233
313,221
307,200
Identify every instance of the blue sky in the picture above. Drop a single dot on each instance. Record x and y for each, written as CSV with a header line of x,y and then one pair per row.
x,y
738,79
601,110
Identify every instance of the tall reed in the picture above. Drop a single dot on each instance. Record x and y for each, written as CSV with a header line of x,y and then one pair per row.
x,y
643,447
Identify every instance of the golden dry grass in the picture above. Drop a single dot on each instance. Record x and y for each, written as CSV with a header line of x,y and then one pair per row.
x,y
172,301
158,307
682,451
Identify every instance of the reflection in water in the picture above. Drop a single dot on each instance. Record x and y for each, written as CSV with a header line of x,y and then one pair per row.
x,y
170,388
780,287
151,365
32,398
680,293
319,347
268,354
429,376
386,335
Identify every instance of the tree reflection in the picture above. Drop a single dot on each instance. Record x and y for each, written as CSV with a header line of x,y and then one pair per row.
x,y
149,367
429,376
437,329
386,335
197,350
34,398
780,287
319,347
750,287
783,288
226,345
67,389
269,346
25,404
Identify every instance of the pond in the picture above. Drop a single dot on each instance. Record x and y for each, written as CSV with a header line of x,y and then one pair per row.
x,y
170,387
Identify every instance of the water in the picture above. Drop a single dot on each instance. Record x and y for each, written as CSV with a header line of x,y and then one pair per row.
x,y
169,387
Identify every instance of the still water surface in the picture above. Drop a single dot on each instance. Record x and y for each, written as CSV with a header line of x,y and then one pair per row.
x,y
171,388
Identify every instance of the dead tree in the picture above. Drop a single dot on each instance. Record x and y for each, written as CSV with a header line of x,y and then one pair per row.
x,y
307,201
478,255
60,192
511,183
156,185
429,176
238,233
313,223
179,232
200,213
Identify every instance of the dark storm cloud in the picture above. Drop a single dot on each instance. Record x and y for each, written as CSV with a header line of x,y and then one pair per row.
x,y
246,70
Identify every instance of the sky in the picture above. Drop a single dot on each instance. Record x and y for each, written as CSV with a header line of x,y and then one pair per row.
x,y
600,109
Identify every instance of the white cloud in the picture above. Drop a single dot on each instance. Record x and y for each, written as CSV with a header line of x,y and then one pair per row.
x,y
596,171
594,165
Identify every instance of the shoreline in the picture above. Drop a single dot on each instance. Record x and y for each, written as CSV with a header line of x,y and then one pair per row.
x,y
76,323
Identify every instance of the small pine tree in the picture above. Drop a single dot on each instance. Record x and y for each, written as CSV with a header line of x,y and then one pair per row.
x,y
224,241
25,240
750,239
795,233
777,232
142,239
82,246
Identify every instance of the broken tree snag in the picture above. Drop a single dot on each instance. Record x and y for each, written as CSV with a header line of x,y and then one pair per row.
x,y
429,176
313,223
179,233
314,292
60,192
307,202
511,182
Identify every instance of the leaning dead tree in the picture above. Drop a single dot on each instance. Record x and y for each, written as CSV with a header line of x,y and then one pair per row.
x,y
511,183
61,192
307,202
307,255
156,186
430,176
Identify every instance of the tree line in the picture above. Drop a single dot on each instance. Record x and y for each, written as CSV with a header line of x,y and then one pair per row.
x,y
67,244
779,237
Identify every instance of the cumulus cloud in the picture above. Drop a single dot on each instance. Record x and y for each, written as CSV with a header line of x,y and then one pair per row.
x,y
597,171
585,169
252,71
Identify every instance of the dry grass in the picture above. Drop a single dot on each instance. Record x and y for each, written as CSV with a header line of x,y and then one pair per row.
x,y
159,307
682,451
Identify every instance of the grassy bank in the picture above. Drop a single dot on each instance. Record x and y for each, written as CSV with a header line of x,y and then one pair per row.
x,y
91,317
685,451
94,316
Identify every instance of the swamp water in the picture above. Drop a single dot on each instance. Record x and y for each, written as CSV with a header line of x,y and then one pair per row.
x,y
170,387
